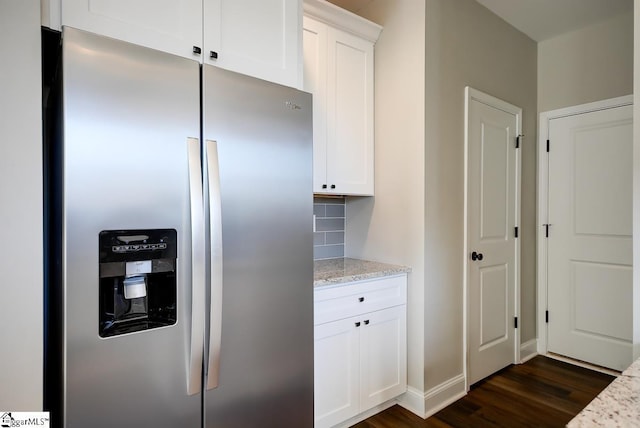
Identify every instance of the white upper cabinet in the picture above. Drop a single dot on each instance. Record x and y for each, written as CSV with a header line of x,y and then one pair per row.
x,y
349,114
315,82
256,37
260,38
173,26
338,51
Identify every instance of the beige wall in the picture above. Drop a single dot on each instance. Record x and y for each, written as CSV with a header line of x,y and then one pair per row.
x,y
424,59
636,184
468,45
21,211
591,64
390,227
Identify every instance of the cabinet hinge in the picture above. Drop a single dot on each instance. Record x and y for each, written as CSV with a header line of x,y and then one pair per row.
x,y
515,322
516,232
546,316
548,146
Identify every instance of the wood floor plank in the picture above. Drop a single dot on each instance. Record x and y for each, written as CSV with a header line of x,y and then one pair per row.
x,y
543,392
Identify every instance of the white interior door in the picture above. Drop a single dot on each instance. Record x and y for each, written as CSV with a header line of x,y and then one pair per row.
x,y
590,237
492,216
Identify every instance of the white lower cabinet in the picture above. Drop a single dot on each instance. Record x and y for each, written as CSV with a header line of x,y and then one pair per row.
x,y
336,372
383,356
360,360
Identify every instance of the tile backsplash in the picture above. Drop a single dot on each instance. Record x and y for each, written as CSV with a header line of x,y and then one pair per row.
x,y
328,239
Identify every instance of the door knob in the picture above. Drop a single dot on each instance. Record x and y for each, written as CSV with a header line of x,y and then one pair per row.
x,y
476,256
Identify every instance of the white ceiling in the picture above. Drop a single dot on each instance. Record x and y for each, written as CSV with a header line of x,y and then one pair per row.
x,y
544,19
539,19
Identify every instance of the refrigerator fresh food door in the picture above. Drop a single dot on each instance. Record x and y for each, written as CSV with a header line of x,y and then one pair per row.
x,y
131,122
259,188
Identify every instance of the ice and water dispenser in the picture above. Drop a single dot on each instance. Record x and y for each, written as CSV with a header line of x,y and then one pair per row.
x,y
137,280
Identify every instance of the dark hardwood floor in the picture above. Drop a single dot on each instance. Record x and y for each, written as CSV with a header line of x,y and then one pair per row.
x,y
543,392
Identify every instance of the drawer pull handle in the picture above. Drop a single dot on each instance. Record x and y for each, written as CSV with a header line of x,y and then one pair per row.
x,y
358,324
366,322
360,299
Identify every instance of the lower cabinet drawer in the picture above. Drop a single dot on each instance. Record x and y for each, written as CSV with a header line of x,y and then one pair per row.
x,y
352,299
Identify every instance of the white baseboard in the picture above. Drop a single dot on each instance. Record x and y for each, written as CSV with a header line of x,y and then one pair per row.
x,y
437,398
414,401
528,350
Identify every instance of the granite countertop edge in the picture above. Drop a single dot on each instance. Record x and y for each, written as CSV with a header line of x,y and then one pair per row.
x,y
617,406
343,270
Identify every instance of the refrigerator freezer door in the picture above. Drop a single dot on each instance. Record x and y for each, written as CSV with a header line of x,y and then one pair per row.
x,y
264,144
128,114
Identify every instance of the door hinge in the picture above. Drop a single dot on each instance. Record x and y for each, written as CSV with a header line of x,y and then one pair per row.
x,y
518,140
516,231
548,146
546,316
515,322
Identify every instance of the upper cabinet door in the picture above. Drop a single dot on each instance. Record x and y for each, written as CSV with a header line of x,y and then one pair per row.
x,y
349,113
315,82
173,26
338,71
260,38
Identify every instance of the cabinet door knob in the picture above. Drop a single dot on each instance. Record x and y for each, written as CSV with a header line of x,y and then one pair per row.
x,y
324,186
366,322
213,55
197,50
333,186
358,324
360,299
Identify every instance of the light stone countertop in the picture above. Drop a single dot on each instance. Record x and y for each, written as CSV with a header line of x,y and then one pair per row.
x,y
633,370
337,271
617,406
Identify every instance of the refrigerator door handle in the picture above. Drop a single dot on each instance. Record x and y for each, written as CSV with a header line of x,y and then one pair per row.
x,y
196,351
215,228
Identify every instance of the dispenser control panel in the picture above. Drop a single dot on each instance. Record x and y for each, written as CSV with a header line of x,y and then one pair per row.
x,y
138,289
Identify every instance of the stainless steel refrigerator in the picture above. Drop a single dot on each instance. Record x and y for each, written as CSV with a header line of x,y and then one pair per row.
x,y
180,264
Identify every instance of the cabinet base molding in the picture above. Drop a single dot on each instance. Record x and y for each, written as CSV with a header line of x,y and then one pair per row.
x,y
425,404
367,414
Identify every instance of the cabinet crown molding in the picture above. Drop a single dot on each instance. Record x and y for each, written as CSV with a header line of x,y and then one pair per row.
x,y
344,20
